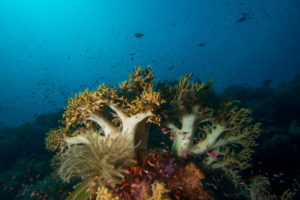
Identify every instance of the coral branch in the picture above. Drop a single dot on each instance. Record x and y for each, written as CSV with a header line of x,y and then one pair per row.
x,y
208,143
108,127
120,112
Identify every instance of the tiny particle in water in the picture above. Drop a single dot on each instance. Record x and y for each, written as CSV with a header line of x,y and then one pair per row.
x,y
138,35
201,44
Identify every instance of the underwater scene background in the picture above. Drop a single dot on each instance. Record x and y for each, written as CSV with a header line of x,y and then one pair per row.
x,y
161,132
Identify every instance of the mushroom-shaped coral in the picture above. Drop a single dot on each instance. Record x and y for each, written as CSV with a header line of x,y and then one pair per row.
x,y
104,128
203,125
118,112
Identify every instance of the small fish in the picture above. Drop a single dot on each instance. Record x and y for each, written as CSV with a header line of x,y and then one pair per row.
x,y
187,154
170,68
109,181
276,175
214,186
141,172
164,131
172,138
150,163
180,188
134,185
212,155
138,35
124,186
243,18
33,194
201,44
92,183
126,171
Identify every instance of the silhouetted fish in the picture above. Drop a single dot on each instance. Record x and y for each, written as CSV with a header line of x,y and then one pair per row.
x,y
243,18
201,44
138,35
266,83
170,68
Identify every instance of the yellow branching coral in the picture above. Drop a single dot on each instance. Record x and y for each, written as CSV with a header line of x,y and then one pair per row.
x,y
104,194
159,191
140,80
187,92
223,131
87,102
117,111
140,85
55,139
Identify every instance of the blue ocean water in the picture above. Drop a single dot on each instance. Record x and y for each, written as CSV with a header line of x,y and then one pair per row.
x,y
51,49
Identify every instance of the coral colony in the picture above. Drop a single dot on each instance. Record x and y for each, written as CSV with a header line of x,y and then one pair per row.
x,y
103,146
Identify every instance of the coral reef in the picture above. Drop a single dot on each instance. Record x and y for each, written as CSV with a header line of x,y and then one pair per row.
x,y
158,173
103,145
